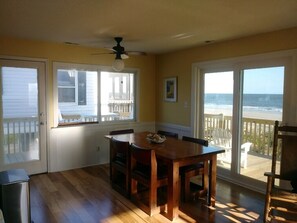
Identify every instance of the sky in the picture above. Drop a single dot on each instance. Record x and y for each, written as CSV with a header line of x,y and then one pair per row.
x,y
256,81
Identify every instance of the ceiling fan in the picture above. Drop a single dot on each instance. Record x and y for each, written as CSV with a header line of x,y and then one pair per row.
x,y
121,53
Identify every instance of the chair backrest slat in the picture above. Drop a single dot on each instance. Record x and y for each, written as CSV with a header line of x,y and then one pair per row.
x,y
195,140
122,131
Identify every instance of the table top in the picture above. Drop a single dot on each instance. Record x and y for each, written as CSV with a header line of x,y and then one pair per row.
x,y
172,149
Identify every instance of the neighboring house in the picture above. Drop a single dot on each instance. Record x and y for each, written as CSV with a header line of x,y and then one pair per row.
x,y
77,93
19,93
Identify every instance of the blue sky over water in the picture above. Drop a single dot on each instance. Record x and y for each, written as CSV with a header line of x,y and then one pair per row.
x,y
264,81
256,81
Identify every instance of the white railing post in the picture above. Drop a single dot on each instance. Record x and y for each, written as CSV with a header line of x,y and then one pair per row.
x,y
257,131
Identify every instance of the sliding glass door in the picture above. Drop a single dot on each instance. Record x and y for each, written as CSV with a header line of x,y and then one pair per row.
x,y
238,107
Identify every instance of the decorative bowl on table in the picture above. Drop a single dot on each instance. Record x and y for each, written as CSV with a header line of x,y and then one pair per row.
x,y
155,138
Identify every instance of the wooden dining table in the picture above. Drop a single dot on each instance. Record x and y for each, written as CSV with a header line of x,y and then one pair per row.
x,y
177,153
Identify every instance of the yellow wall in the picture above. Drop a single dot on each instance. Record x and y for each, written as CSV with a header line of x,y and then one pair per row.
x,y
153,69
55,52
180,64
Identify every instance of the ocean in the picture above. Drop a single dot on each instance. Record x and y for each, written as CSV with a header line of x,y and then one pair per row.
x,y
257,102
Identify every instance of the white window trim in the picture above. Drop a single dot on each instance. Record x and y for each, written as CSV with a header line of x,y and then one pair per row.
x,y
135,92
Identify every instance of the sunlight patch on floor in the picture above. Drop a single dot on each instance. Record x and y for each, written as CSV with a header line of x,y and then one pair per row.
x,y
236,214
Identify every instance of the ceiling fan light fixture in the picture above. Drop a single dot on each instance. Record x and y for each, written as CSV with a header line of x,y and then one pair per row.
x,y
118,65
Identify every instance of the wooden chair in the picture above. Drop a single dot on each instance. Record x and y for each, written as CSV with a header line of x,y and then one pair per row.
x,y
120,163
223,139
145,173
168,134
190,190
117,132
281,198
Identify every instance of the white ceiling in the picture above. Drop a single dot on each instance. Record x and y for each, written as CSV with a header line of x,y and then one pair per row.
x,y
152,26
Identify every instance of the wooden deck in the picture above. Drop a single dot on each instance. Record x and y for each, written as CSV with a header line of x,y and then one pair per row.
x,y
257,165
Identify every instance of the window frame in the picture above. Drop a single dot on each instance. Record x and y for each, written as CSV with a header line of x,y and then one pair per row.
x,y
283,58
91,68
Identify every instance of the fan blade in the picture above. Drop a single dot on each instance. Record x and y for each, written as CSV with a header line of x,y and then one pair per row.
x,y
102,53
136,53
124,56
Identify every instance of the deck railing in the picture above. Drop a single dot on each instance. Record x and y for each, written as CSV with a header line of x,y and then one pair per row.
x,y
19,134
117,110
257,131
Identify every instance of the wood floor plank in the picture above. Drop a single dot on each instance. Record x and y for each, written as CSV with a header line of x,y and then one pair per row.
x,y
39,206
85,195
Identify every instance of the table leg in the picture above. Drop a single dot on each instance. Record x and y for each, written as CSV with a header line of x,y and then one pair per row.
x,y
211,198
206,176
173,191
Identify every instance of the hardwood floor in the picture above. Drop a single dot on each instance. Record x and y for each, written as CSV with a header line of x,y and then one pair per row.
x,y
85,195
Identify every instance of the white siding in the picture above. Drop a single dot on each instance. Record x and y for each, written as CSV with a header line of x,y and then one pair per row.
x,y
19,92
90,109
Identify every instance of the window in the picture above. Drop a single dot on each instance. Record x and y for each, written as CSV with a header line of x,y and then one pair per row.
x,y
72,86
117,96
77,90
